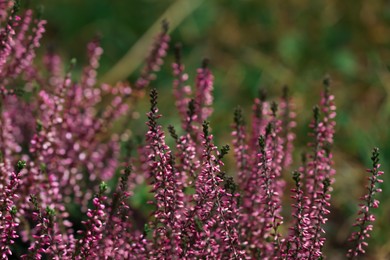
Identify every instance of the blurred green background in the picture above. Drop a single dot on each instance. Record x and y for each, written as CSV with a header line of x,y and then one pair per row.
x,y
253,44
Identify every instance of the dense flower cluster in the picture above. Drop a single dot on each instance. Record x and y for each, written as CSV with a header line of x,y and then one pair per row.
x,y
57,152
19,37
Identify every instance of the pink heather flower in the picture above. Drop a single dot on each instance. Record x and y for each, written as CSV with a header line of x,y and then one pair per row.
x,y
203,93
8,225
18,118
5,5
43,242
168,195
241,148
8,220
17,47
88,245
269,197
88,79
25,55
155,58
318,171
298,240
314,173
260,119
288,124
119,234
186,153
23,30
45,145
317,218
199,210
181,90
329,110
70,133
8,145
368,202
213,234
262,192
276,165
54,67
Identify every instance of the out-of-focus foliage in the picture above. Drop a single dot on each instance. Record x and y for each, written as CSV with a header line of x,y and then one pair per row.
x,y
267,43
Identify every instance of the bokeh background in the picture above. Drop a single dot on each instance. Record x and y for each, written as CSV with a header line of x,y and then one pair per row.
x,y
256,44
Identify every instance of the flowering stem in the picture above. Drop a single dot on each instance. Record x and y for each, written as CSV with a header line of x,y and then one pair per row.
x,y
369,202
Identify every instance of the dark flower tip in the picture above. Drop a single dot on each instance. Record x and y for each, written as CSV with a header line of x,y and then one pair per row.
x,y
285,92
326,184
326,81
303,158
128,169
224,151
238,118
268,129
33,199
375,157
72,64
205,63
262,142
39,11
178,50
20,166
13,210
274,108
262,94
230,185
327,148
16,7
153,99
316,113
147,230
205,126
173,133
165,25
50,211
191,108
103,187
296,176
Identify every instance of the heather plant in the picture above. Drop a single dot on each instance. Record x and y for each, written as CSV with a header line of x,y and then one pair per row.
x,y
58,151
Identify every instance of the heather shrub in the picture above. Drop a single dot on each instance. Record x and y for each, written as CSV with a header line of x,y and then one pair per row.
x,y
60,159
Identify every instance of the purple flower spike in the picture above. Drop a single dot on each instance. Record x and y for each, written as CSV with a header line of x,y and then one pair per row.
x,y
368,202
